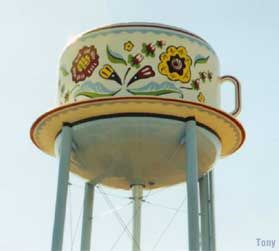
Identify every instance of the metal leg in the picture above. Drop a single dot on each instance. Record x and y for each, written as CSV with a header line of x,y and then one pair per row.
x,y
204,202
137,195
62,188
207,212
192,184
87,217
211,212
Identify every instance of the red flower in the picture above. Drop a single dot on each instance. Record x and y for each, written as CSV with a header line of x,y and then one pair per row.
x,y
84,63
148,49
196,84
135,60
144,72
138,58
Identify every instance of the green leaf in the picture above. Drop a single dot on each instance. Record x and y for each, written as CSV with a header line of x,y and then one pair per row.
x,y
64,71
115,57
144,50
156,89
62,88
130,59
154,93
201,60
94,90
94,94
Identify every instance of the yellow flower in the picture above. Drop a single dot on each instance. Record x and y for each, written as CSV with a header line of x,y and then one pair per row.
x,y
201,97
175,64
107,72
128,46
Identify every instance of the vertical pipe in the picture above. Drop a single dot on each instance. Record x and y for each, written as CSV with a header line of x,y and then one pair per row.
x,y
192,184
137,196
204,202
211,212
87,217
62,188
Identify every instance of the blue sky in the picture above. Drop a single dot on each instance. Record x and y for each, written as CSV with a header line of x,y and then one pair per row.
x,y
245,35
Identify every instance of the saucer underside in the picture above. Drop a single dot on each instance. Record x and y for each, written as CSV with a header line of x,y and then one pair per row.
x,y
139,137
121,151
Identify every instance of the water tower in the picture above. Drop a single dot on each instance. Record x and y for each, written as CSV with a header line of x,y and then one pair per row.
x,y
140,109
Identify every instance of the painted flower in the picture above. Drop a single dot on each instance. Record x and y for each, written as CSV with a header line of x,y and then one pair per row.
x,y
196,84
84,63
175,64
135,60
201,97
209,75
144,72
107,72
160,43
148,49
203,76
128,46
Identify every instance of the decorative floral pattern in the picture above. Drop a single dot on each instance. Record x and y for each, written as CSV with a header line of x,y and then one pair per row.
x,y
175,64
200,60
160,43
135,61
107,72
128,46
196,84
209,75
144,72
85,63
203,76
201,97
148,49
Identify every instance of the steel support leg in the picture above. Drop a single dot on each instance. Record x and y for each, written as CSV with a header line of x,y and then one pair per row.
x,y
207,213
192,185
212,212
62,188
87,217
137,195
204,202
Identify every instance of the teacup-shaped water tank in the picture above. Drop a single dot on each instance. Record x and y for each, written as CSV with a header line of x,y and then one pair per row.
x,y
127,90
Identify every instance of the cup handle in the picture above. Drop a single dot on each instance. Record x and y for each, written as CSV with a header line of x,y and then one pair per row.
x,y
237,93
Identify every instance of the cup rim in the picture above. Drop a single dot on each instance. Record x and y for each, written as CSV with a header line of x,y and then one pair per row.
x,y
139,25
